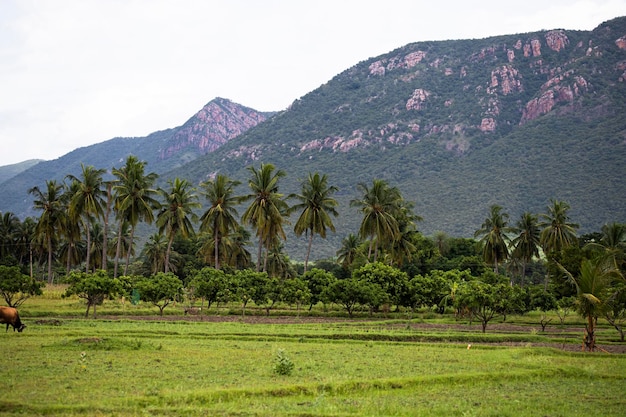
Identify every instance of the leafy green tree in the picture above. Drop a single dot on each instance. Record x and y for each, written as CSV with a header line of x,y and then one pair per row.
x,y
295,291
160,289
213,285
595,285
351,292
220,219
543,301
494,239
318,281
134,201
50,203
391,280
87,201
267,211
16,287
93,287
379,206
615,309
251,286
316,204
527,242
484,300
176,213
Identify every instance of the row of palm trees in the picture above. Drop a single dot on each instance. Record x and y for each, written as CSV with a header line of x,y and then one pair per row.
x,y
84,206
550,232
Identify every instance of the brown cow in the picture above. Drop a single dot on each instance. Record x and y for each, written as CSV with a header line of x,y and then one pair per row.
x,y
9,315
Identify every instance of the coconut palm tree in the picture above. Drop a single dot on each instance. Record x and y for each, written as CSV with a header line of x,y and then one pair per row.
x,y
613,242
595,285
267,211
176,213
494,239
51,205
155,252
315,206
557,232
9,228
220,219
526,244
379,205
134,201
88,201
349,251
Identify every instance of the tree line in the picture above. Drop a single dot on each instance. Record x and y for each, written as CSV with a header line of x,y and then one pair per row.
x,y
88,224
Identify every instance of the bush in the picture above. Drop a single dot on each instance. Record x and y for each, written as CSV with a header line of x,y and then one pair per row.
x,y
283,365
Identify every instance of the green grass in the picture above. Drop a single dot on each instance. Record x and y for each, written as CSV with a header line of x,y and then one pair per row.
x,y
63,365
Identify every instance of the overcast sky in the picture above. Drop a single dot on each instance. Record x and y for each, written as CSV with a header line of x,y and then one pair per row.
x,y
78,72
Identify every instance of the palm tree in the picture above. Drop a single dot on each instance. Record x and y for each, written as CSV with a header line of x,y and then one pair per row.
x,y
155,252
267,211
316,205
9,228
349,251
379,206
595,285
494,239
88,200
557,232
134,201
526,244
24,241
176,214
50,203
237,254
613,242
220,219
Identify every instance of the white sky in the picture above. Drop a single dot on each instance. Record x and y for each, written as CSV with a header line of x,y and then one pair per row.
x,y
78,72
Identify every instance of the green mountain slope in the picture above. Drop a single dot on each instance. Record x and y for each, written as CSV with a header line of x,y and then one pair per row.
x,y
459,125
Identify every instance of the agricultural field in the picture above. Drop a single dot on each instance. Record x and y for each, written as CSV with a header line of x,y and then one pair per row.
x,y
132,362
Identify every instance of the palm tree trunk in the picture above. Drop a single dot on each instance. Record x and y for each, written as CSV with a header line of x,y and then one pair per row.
x,y
308,252
216,249
105,231
88,229
49,259
258,259
118,249
167,254
130,247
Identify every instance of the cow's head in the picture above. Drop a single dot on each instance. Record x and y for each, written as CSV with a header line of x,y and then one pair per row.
x,y
19,329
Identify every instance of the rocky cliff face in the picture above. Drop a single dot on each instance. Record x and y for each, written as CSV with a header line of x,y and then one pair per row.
x,y
215,124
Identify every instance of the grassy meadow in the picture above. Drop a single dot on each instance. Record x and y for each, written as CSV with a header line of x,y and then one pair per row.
x,y
122,364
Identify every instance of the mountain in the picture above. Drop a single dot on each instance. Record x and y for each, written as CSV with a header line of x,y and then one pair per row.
x,y
215,124
9,171
514,120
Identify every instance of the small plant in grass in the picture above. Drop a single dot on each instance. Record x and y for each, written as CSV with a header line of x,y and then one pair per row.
x,y
283,364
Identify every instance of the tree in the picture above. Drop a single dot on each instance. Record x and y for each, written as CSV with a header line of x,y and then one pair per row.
x,y
595,285
316,204
494,238
87,201
391,280
557,232
51,205
94,288
350,250
352,292
9,228
134,201
220,219
295,291
251,285
612,242
211,284
482,299
526,244
379,205
176,213
160,289
16,287
543,301
318,281
267,211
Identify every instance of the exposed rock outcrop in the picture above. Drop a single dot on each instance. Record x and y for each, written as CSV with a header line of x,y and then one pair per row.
x,y
416,102
556,40
507,78
215,124
554,92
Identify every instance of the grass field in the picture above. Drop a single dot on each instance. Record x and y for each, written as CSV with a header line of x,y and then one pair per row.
x,y
125,365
